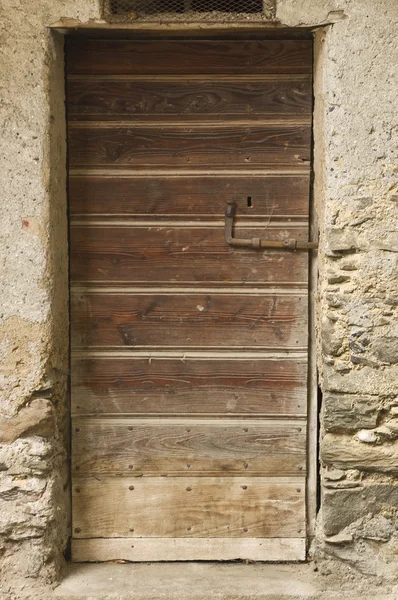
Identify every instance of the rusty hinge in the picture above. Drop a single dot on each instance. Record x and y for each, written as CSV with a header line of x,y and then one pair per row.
x,y
290,244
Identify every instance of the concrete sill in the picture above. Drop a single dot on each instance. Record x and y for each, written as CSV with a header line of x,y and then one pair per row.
x,y
201,581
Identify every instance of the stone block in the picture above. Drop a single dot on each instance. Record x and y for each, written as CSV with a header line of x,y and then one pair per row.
x,y
341,508
34,419
347,412
386,349
341,240
346,452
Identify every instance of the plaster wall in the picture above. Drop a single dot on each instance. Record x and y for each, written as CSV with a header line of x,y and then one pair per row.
x,y
356,199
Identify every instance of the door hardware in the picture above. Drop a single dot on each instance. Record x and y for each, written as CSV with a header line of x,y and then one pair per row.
x,y
257,243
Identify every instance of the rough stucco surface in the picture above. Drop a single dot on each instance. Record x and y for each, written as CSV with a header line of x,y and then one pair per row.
x,y
356,197
33,289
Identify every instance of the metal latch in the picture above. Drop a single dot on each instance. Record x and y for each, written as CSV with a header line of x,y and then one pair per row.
x,y
256,243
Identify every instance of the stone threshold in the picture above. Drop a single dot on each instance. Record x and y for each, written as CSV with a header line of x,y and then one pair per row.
x,y
207,581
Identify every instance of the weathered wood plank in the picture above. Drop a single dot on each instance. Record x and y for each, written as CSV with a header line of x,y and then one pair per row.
x,y
246,507
178,549
194,196
115,57
190,320
142,100
232,146
186,448
189,387
174,255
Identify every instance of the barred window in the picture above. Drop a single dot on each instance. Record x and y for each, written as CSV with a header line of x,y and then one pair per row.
x,y
132,9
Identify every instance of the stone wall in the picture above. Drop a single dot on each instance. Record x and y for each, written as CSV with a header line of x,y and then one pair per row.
x,y
34,492
356,197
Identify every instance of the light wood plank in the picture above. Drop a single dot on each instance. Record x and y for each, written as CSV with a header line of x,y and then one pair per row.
x,y
178,507
178,549
199,448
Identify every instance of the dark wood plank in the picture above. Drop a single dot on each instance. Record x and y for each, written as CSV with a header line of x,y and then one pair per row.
x,y
188,320
198,507
143,100
194,196
115,57
150,386
237,147
130,446
175,255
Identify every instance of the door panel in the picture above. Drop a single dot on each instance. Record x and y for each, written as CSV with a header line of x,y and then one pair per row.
x,y
189,356
268,145
199,507
222,384
220,448
188,57
214,320
192,196
140,99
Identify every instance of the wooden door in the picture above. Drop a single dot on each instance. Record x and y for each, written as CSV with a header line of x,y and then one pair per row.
x,y
189,357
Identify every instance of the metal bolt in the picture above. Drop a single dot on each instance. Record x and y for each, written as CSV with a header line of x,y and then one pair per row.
x,y
77,490
77,530
189,489
244,487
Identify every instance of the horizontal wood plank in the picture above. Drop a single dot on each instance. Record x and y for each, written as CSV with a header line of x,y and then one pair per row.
x,y
232,146
194,196
188,320
115,57
178,549
142,100
246,507
182,447
175,255
189,387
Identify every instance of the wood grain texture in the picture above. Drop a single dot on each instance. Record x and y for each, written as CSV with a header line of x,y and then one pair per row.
x,y
189,369
191,320
194,196
116,57
184,448
246,507
172,255
190,146
189,387
178,549
142,100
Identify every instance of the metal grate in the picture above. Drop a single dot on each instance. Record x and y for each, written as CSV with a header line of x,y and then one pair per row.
x,y
130,10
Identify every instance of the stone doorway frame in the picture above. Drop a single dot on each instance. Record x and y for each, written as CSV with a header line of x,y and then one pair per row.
x,y
354,181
